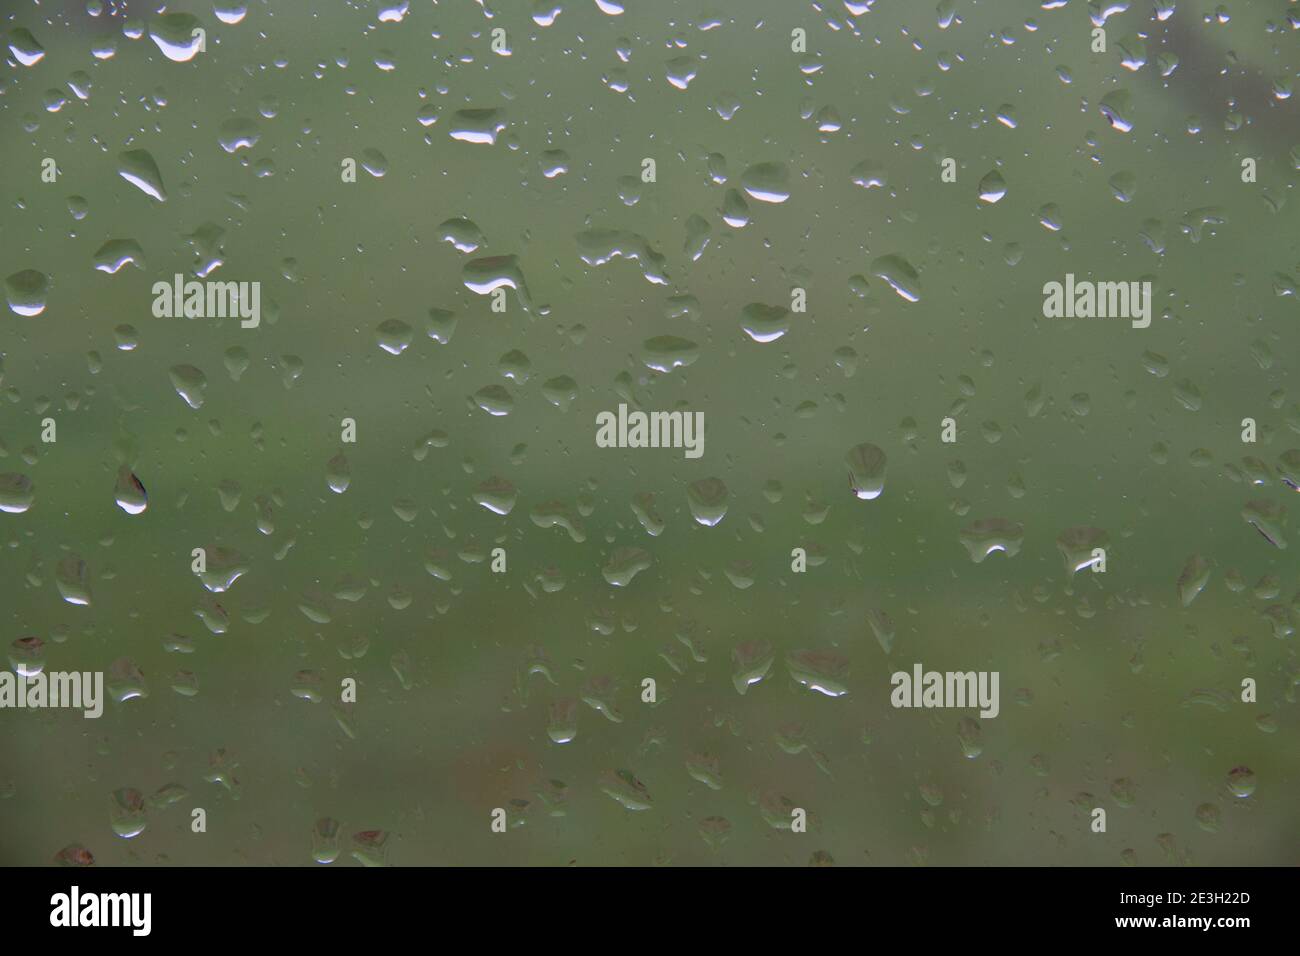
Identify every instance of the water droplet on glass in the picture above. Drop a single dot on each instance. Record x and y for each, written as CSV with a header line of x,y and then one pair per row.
x,y
190,384
898,273
325,842
73,580
992,535
766,182
626,789
138,168
992,187
26,292
127,813
177,35
764,323
1241,782
16,493
866,463
393,336
751,662
129,492
708,499
822,671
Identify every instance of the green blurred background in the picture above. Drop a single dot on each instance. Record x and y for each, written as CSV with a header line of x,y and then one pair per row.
x,y
1095,670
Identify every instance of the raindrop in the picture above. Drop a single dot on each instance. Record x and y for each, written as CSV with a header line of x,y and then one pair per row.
x,y
190,384
992,187
866,463
622,785
127,813
177,35
129,492
73,580
821,671
766,182
708,499
992,535
16,493
26,292
764,323
900,276
1241,782
138,168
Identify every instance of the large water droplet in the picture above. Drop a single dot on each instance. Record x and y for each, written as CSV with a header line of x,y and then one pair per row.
x,y
764,323
991,536
127,813
129,492
899,274
866,464
766,182
138,168
26,292
177,35
822,671
625,788
190,384
16,493
663,353
479,126
73,580
708,500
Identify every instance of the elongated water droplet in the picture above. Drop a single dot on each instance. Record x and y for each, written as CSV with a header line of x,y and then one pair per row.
x,y
900,276
177,35
708,499
190,384
129,492
138,168
766,182
764,323
825,672
866,463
